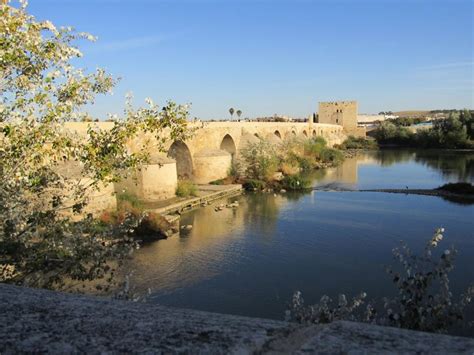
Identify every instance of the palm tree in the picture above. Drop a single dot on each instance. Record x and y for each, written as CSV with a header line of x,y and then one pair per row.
x,y
231,111
239,113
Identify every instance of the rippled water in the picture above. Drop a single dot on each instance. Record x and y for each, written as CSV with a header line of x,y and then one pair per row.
x,y
250,260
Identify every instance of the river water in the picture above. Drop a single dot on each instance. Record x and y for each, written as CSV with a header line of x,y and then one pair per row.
x,y
250,260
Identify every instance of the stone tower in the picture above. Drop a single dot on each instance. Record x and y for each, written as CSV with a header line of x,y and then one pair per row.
x,y
343,113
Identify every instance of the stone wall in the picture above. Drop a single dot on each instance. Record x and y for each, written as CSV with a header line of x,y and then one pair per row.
x,y
207,156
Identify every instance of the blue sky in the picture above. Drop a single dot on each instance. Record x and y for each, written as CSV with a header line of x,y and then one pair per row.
x,y
277,56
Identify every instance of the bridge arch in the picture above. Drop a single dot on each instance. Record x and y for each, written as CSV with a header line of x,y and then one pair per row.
x,y
305,133
228,144
277,133
314,133
180,152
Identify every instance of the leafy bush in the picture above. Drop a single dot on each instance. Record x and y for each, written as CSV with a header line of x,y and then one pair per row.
x,y
49,173
358,143
389,133
130,199
260,160
306,163
295,183
458,188
186,188
290,168
254,184
331,155
314,146
453,132
423,302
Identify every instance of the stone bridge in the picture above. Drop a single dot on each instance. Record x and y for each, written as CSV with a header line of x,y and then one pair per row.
x,y
208,155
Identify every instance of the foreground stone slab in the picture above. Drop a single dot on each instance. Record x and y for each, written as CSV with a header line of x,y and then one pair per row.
x,y
43,321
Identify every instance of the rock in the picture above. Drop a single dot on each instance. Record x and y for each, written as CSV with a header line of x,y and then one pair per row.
x,y
282,191
189,227
54,322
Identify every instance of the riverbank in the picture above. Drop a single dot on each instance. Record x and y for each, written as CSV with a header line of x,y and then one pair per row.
x,y
34,320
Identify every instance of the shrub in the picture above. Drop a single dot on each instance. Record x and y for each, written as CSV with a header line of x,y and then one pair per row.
x,y
423,301
217,182
254,184
295,183
130,199
186,188
289,168
260,161
358,143
331,155
458,188
314,146
41,245
452,133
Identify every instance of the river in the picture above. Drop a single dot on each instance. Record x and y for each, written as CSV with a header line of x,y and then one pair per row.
x,y
250,260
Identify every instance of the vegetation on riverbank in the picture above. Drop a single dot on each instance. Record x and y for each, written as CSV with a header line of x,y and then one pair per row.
x,y
149,225
358,143
186,188
423,301
266,166
48,174
460,188
454,132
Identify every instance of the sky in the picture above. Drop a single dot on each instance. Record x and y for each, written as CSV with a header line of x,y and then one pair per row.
x,y
268,57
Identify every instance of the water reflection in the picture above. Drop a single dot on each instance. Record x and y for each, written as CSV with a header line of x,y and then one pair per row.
x,y
249,260
453,166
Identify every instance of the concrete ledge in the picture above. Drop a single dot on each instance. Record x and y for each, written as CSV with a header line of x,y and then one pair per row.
x,y
43,321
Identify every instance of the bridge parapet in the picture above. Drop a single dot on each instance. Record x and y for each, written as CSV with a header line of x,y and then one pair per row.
x,y
208,155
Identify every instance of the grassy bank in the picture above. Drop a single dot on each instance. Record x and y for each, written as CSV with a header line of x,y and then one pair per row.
x,y
263,165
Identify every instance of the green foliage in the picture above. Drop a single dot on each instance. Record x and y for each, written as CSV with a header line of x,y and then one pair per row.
x,y
407,121
48,172
132,200
295,183
186,188
452,133
358,143
423,300
254,184
466,117
463,188
389,133
217,182
331,155
260,160
314,146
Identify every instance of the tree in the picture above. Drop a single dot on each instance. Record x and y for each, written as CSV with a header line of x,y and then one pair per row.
x,y
239,113
467,120
231,111
47,172
451,131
